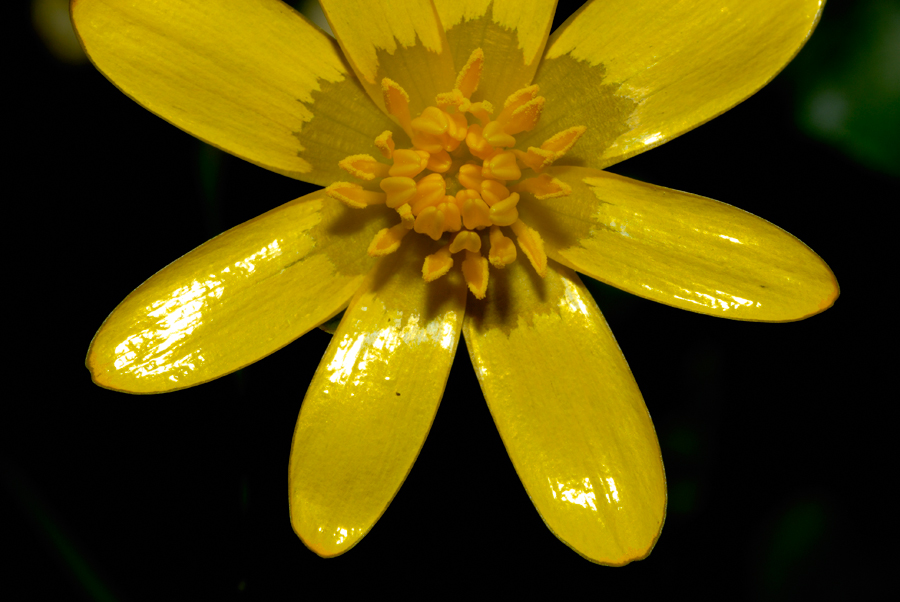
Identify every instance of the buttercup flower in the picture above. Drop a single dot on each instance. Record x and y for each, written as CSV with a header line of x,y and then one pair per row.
x,y
461,151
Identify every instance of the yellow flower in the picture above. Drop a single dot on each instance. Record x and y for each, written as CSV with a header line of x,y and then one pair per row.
x,y
443,132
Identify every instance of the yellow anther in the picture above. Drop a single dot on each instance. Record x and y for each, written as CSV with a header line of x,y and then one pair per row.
x,y
396,101
503,251
406,215
387,240
457,127
452,218
427,142
482,110
399,190
432,121
453,98
478,146
524,118
475,271
505,213
535,158
364,167
532,245
470,74
543,187
465,240
354,195
409,162
430,191
475,213
385,143
440,162
501,166
516,100
563,141
495,134
493,192
431,222
470,176
437,264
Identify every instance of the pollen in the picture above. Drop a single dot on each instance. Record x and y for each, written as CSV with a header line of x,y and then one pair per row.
x,y
461,181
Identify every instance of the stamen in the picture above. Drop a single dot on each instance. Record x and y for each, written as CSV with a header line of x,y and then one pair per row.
x,y
431,222
354,195
536,158
440,162
543,187
475,271
502,166
452,219
503,251
475,212
470,176
505,213
478,146
437,264
493,192
409,162
427,142
465,240
516,100
432,121
532,245
470,74
364,167
561,143
524,118
482,110
400,190
385,143
454,98
387,241
406,216
494,133
396,101
430,191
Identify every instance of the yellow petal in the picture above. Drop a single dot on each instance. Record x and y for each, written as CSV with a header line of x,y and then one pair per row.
x,y
640,73
371,403
680,249
237,298
252,78
399,39
512,34
569,412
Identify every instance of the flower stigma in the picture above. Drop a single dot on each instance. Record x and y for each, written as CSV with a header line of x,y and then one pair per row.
x,y
460,182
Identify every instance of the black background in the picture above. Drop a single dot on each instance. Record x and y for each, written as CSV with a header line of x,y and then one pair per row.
x,y
776,437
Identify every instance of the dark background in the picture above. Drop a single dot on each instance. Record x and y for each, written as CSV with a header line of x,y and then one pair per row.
x,y
776,437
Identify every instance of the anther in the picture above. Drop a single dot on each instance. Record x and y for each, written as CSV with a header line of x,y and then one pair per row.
x,y
406,216
440,162
502,166
495,134
475,212
503,251
437,264
543,187
478,146
470,176
385,143
431,222
387,241
475,271
470,74
505,213
452,218
465,240
524,118
399,190
364,167
493,192
532,245
432,121
354,195
563,141
430,191
409,162
396,101
516,100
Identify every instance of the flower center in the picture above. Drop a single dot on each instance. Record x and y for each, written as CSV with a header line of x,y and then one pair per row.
x,y
459,182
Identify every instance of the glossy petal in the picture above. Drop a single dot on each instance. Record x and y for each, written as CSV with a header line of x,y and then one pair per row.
x,y
371,403
640,73
680,249
399,39
253,78
511,32
569,412
237,298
